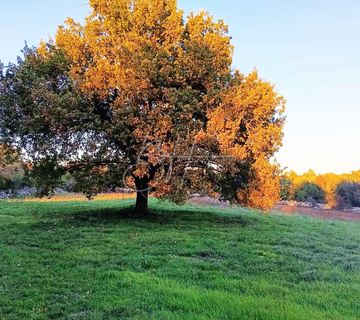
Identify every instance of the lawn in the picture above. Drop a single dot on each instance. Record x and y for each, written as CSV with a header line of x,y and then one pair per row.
x,y
90,260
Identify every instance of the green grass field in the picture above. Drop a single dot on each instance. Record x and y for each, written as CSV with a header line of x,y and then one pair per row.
x,y
89,260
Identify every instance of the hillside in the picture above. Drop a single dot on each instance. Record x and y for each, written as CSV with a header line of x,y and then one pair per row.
x,y
89,260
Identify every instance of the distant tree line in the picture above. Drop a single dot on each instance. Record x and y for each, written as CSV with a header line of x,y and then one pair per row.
x,y
337,190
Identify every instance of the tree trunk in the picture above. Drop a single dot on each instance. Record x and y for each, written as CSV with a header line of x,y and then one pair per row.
x,y
142,196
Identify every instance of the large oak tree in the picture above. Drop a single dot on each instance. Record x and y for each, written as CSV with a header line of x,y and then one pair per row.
x,y
140,95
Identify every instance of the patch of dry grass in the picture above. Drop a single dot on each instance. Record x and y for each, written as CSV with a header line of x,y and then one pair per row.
x,y
80,197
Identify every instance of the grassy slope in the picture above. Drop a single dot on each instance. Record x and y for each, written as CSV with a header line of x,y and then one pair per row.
x,y
88,261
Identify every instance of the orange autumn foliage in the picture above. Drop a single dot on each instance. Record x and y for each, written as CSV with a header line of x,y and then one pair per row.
x,y
247,126
130,46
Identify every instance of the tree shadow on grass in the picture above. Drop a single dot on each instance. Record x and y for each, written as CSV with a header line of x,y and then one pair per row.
x,y
176,215
160,215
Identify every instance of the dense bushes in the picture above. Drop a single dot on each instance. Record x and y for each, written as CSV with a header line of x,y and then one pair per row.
x,y
4,183
13,178
348,195
69,183
12,174
309,192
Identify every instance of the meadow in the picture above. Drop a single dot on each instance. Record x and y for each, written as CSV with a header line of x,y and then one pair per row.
x,y
92,260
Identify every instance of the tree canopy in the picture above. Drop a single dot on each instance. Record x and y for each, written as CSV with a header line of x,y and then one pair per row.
x,y
142,96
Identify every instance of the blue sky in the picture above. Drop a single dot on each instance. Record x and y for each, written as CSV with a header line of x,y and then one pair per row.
x,y
309,48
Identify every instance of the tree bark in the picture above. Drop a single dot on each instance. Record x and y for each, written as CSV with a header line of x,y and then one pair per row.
x,y
142,196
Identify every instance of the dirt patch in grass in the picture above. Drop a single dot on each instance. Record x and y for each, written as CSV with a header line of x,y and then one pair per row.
x,y
317,213
287,209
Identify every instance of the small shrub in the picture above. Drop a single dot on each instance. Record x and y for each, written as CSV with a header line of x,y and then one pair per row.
x,y
309,192
285,189
348,195
13,177
5,183
69,183
19,181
